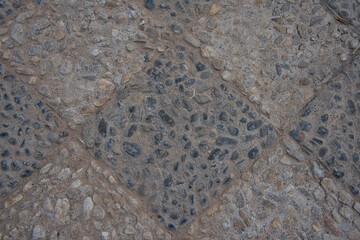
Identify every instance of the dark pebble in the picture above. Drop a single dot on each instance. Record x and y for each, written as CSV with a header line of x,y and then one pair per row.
x,y
5,153
174,215
239,103
322,131
337,98
355,157
188,145
264,131
102,128
253,125
223,154
354,190
233,131
200,66
351,106
149,118
221,141
318,141
63,134
150,159
4,165
227,180
166,144
131,182
9,78
4,134
203,144
194,153
9,107
305,126
15,165
36,165
149,4
172,134
37,125
190,81
13,184
223,117
160,88
168,181
132,130
160,153
192,211
194,117
235,156
183,221
142,190
296,134
253,153
336,86
171,227
203,200
245,109
323,151
214,153
307,111
132,149
181,79
109,144
166,118
26,173
278,69
338,174
176,166
343,157
221,127
324,118
151,102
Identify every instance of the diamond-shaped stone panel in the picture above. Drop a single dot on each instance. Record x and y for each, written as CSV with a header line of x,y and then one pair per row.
x,y
177,140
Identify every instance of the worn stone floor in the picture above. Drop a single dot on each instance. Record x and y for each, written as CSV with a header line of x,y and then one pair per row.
x,y
179,119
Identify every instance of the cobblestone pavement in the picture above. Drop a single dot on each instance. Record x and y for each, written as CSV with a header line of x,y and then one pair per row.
x,y
179,119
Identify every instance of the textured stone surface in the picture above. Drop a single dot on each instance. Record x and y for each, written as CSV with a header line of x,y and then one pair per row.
x,y
179,119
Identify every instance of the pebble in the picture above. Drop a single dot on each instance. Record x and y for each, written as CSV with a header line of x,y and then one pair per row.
x,y
150,4
13,199
223,141
129,230
338,174
345,197
214,9
192,41
62,207
98,213
329,185
176,29
88,206
253,153
293,151
17,33
39,232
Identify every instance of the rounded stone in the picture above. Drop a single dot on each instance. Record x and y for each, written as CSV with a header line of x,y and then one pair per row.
x,y
253,153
